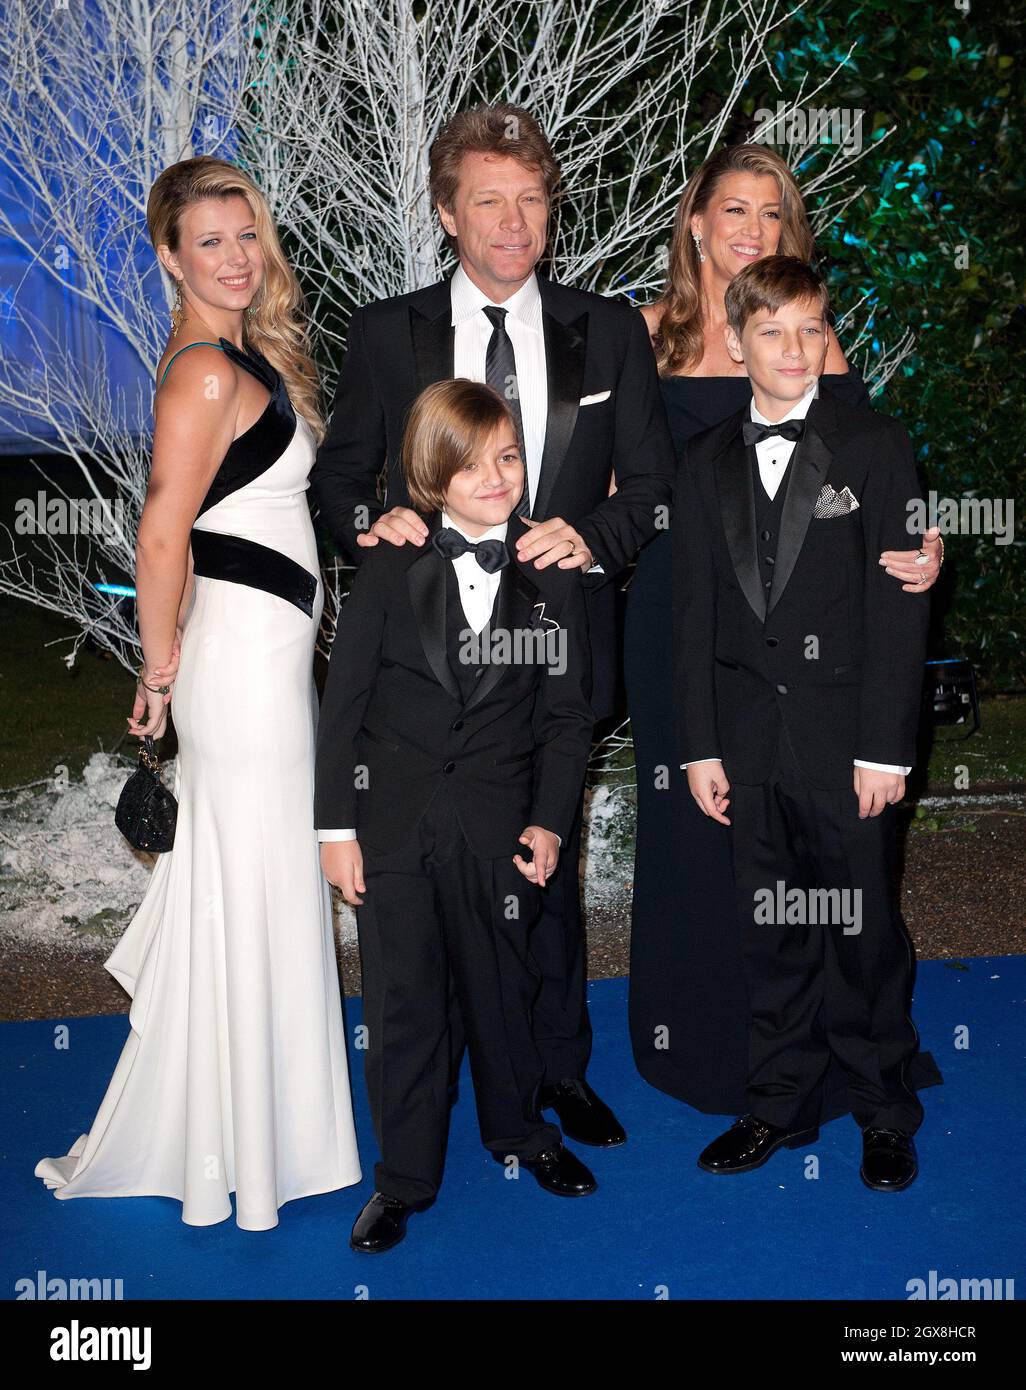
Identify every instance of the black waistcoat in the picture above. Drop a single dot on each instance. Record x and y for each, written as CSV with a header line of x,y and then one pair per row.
x,y
457,629
767,515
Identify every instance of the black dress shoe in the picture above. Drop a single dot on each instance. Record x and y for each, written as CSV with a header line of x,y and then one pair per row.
x,y
380,1225
888,1159
749,1143
561,1172
582,1116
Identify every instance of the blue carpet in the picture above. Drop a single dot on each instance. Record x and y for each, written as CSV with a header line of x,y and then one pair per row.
x,y
658,1226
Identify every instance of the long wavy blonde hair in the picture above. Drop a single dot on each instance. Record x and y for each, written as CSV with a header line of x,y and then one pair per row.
x,y
678,341
278,326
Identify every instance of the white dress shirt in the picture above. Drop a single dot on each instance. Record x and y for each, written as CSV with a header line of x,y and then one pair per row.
x,y
773,455
473,331
477,589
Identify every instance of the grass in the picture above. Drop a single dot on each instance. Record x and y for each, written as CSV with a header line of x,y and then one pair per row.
x,y
996,755
50,716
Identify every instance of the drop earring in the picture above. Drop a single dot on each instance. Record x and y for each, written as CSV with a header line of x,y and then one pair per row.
x,y
176,310
698,245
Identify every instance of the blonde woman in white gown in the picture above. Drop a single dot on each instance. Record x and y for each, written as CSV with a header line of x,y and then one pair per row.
x,y
234,1077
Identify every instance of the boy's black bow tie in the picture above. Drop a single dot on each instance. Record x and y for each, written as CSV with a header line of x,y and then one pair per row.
x,y
755,433
491,555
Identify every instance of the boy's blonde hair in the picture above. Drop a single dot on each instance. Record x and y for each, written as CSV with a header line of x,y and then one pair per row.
x,y
449,424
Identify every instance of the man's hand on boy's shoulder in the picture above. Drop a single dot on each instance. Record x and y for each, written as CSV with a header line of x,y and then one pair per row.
x,y
554,542
544,846
342,865
875,790
398,526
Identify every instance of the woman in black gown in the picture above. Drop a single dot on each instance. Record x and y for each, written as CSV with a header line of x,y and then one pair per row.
x,y
688,1005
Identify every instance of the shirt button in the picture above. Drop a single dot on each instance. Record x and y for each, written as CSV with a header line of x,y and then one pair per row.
x,y
770,560
451,767
764,535
773,641
768,584
781,689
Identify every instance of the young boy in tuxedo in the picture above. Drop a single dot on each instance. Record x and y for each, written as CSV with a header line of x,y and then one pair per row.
x,y
452,746
798,682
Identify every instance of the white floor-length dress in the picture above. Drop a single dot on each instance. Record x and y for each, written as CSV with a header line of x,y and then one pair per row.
x,y
234,1077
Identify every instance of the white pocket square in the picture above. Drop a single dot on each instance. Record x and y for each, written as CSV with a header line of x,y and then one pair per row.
x,y
594,400
830,503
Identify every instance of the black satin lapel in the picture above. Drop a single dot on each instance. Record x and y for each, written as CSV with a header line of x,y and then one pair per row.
x,y
737,508
512,610
806,475
433,347
565,346
425,580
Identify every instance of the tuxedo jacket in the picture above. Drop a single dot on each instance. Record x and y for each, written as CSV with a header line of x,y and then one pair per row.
x,y
833,648
394,727
593,346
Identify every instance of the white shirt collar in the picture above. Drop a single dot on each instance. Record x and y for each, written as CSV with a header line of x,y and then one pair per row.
x,y
467,300
797,412
493,533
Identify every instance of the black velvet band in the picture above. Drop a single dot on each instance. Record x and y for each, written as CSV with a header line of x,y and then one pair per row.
x,y
242,561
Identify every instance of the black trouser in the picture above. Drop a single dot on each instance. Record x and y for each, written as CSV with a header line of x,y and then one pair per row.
x,y
431,908
817,989
562,1028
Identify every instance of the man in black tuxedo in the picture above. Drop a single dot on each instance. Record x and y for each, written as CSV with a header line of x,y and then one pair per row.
x,y
429,815
799,677
578,371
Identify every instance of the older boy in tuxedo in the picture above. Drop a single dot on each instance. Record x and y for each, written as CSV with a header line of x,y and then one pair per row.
x,y
799,674
451,753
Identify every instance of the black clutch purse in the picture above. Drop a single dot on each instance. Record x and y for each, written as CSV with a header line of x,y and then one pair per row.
x,y
147,812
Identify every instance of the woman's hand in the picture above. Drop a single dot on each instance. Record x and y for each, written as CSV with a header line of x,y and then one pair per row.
x,y
149,713
918,569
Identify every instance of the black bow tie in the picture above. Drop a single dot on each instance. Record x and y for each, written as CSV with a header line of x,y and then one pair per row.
x,y
491,555
789,429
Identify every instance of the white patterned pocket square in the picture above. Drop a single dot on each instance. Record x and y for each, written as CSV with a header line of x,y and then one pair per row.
x,y
830,503
594,400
